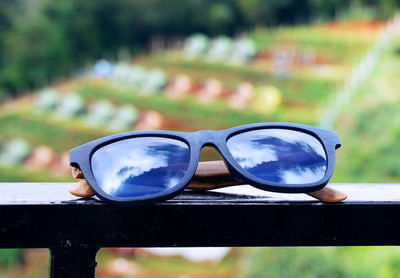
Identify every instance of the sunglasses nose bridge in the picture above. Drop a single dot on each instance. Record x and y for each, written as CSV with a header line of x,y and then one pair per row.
x,y
207,138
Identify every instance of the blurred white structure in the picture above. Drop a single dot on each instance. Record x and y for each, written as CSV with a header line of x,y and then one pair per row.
x,y
136,77
243,50
70,106
100,113
124,118
46,99
220,49
127,75
360,73
154,81
195,46
197,254
14,152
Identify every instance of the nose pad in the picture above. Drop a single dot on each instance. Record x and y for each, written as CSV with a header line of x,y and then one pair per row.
x,y
218,175
209,153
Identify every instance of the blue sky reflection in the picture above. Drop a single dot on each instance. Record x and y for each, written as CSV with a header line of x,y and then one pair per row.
x,y
280,155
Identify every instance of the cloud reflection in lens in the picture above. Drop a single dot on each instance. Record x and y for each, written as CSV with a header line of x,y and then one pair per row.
x,y
280,155
140,166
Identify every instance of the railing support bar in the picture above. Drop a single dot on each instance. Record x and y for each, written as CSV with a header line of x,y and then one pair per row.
x,y
74,262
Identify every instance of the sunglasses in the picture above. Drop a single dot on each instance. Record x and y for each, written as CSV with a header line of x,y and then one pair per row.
x,y
143,167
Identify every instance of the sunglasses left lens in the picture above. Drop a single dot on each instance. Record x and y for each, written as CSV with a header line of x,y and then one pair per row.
x,y
140,166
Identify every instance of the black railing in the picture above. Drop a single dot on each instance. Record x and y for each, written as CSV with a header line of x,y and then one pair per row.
x,y
44,215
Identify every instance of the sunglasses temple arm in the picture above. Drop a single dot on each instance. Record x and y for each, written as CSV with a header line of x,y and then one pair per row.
x,y
214,174
209,175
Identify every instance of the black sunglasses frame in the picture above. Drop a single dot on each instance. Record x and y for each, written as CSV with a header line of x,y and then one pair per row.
x,y
80,157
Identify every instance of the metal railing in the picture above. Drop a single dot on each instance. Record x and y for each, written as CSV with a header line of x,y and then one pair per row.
x,y
44,215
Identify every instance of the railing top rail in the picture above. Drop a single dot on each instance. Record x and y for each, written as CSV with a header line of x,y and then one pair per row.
x,y
46,215
35,193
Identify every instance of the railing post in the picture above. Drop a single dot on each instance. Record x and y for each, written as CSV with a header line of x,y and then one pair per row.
x,y
72,262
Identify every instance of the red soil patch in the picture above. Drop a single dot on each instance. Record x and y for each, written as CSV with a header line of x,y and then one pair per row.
x,y
358,25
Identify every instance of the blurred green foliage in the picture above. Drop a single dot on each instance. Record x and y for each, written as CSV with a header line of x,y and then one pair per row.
x,y
370,130
195,114
10,257
40,129
18,174
337,47
326,262
296,89
41,40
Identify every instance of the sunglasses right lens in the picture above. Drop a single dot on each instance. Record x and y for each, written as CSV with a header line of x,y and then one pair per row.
x,y
140,166
283,156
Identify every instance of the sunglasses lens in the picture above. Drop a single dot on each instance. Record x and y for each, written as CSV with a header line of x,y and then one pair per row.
x,y
281,156
140,166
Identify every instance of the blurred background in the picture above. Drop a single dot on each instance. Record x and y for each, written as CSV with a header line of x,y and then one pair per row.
x,y
72,71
